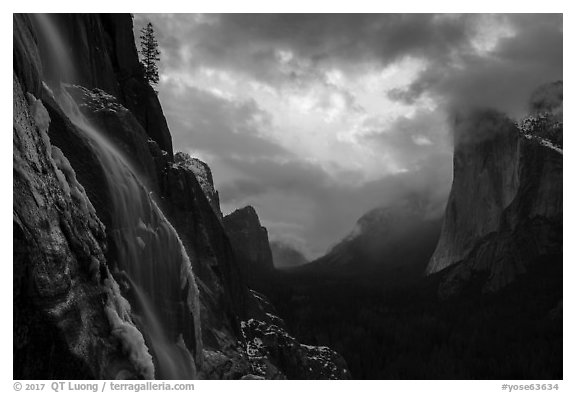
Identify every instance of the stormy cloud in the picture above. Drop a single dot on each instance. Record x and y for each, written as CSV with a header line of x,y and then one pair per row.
x,y
316,119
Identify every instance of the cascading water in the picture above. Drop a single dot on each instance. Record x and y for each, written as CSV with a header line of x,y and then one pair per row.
x,y
150,257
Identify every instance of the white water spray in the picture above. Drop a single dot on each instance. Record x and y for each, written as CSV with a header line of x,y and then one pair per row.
x,y
149,253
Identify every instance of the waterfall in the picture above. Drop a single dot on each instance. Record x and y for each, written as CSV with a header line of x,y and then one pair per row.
x,y
150,258
58,64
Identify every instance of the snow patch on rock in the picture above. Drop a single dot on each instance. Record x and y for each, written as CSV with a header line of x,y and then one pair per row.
x,y
118,312
39,114
275,354
67,177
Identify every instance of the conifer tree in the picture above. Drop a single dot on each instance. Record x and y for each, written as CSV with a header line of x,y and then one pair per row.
x,y
150,54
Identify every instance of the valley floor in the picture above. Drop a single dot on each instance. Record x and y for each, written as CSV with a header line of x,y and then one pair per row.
x,y
403,331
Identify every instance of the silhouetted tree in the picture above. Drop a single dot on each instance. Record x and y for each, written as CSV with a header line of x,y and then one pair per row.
x,y
150,54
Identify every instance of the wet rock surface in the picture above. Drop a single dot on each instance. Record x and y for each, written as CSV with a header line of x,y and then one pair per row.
x,y
222,291
66,308
120,127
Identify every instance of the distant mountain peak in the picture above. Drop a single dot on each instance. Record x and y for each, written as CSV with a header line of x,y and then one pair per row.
x,y
285,255
385,238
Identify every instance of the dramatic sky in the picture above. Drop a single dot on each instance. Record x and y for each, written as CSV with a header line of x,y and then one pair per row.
x,y
316,119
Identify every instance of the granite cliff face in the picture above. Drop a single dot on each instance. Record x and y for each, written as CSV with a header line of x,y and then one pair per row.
x,y
250,242
122,268
203,175
223,295
504,212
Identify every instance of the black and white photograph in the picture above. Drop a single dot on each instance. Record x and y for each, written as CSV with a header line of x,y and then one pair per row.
x,y
288,196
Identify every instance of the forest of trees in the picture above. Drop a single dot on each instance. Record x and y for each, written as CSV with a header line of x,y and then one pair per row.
x,y
405,332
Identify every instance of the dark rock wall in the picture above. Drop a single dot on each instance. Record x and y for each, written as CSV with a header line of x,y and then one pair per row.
x,y
222,290
26,55
119,125
203,175
250,242
103,44
135,93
